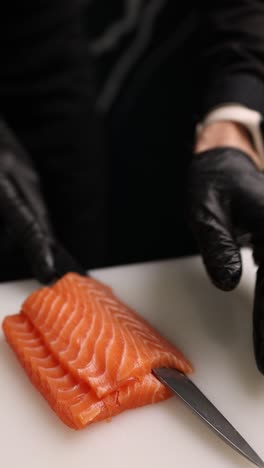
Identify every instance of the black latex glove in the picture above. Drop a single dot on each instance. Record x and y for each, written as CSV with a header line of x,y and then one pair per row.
x,y
227,211
22,210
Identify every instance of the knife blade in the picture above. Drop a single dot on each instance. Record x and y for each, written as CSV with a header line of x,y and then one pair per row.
x,y
182,386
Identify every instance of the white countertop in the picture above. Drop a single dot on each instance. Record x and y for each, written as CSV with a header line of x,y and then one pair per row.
x,y
214,330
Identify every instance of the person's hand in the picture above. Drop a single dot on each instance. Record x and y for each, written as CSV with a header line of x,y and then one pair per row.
x,y
227,211
22,209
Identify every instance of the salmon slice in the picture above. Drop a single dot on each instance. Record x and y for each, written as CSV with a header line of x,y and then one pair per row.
x,y
88,353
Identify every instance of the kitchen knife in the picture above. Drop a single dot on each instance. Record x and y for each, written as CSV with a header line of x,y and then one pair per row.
x,y
182,386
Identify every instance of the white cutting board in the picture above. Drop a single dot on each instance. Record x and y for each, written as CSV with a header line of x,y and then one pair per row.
x,y
213,329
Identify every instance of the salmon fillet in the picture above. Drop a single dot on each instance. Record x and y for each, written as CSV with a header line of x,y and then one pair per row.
x,y
87,352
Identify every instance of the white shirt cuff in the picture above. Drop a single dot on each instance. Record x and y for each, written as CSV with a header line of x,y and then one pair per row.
x,y
249,118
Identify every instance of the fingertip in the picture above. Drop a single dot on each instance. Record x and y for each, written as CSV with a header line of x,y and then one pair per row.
x,y
259,358
258,347
43,265
45,274
224,272
226,281
258,320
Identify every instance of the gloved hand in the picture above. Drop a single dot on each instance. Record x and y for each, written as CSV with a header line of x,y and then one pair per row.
x,y
22,210
227,211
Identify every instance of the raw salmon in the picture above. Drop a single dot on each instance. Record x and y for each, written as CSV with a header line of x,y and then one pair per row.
x,y
87,352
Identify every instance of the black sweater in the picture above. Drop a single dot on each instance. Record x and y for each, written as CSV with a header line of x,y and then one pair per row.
x,y
47,94
46,89
223,40
47,98
45,67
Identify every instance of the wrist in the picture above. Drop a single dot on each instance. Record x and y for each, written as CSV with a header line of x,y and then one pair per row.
x,y
226,133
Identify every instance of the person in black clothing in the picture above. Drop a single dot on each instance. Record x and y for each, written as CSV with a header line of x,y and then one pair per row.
x,y
121,125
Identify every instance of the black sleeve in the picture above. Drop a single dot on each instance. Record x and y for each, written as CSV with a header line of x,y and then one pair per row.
x,y
46,75
231,59
47,99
